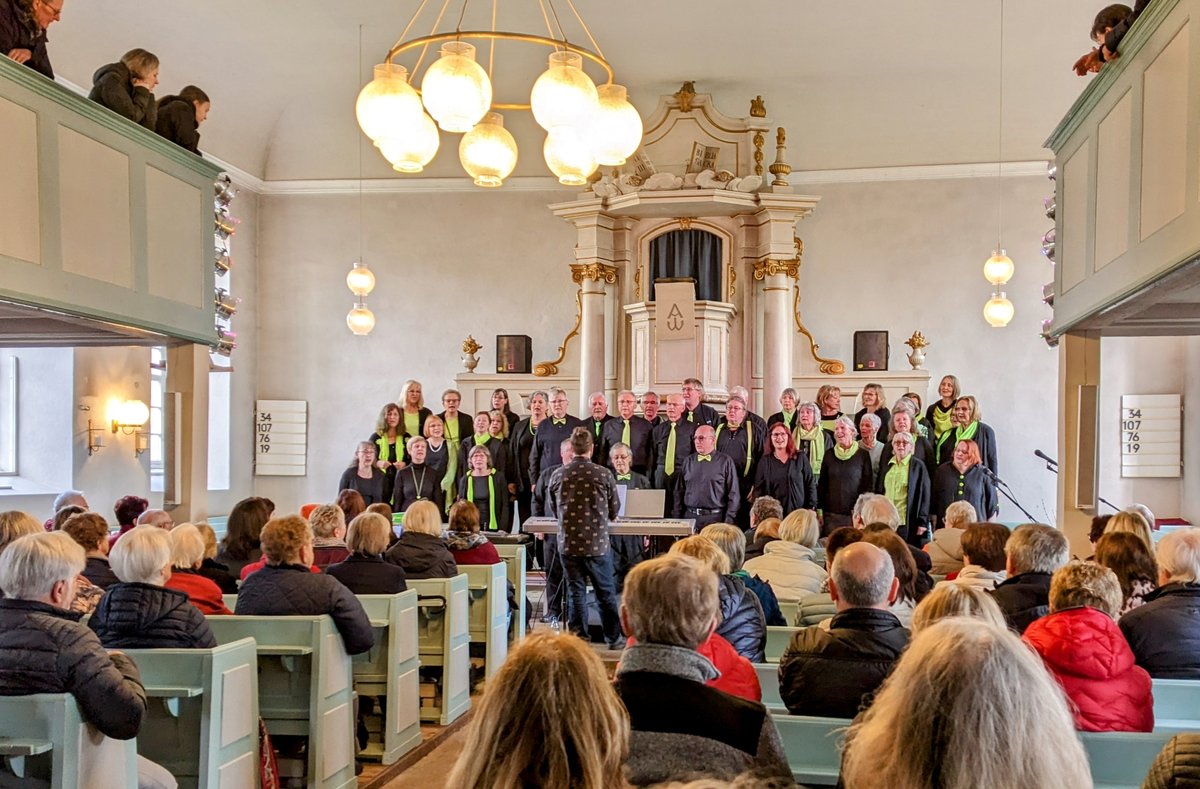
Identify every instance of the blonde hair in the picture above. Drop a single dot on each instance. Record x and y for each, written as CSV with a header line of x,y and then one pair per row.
x,y
368,534
950,599
14,524
496,413
767,527
142,555
140,62
800,526
955,674
549,718
210,539
429,420
976,414
823,395
959,515
409,384
880,400
670,599
283,539
707,551
326,520
1078,584
423,517
1131,523
729,539
187,546
33,563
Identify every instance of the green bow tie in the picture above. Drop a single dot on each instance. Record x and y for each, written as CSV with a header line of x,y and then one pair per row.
x,y
704,458
562,421
624,476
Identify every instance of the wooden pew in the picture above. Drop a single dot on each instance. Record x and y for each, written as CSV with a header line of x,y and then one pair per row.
x,y
813,747
768,680
514,563
487,608
444,643
202,724
777,641
790,610
43,736
1120,760
390,672
1176,705
305,689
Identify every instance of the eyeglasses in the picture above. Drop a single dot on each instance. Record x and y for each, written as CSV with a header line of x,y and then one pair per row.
x,y
56,9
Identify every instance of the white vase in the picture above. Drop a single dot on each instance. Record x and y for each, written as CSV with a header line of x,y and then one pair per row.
x,y
470,362
916,358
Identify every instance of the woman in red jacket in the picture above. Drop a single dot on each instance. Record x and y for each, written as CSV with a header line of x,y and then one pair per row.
x,y
1084,649
467,545
187,554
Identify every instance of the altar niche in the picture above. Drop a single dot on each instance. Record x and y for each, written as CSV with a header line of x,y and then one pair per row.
x,y
688,254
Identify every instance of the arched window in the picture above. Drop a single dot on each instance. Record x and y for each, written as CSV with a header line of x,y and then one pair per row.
x,y
694,254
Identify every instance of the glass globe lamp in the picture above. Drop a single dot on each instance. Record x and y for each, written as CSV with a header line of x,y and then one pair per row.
x,y
999,311
360,319
564,95
360,280
387,105
615,131
456,90
569,156
488,152
414,147
999,268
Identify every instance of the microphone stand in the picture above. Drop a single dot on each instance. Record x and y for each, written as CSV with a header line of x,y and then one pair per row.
x,y
1052,466
1003,489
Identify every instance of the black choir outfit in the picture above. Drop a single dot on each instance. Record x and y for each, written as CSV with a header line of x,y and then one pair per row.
x,y
520,444
791,420
792,483
499,455
596,427
639,441
829,421
422,414
885,418
415,482
513,419
707,490
803,446
975,486
756,420
744,446
938,415
479,491
373,490
546,452
391,450
627,549
544,504
922,450
915,514
466,425
840,484
702,415
660,439
984,436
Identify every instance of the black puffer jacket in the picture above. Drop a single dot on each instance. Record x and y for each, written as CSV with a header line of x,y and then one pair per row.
x,y
742,621
112,87
177,122
44,649
293,590
1023,598
1164,634
422,556
144,616
830,672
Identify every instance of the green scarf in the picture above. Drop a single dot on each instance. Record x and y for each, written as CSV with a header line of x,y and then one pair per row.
x,y
788,418
816,445
895,486
492,525
749,442
941,419
967,433
845,454
384,449
482,438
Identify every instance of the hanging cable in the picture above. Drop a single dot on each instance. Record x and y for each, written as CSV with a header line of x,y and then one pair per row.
x,y
425,48
586,31
561,33
1000,141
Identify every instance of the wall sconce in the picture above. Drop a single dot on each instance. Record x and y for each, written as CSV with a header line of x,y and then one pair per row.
x,y
95,438
129,416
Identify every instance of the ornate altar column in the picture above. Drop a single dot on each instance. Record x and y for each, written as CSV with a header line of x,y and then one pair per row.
x,y
593,279
776,277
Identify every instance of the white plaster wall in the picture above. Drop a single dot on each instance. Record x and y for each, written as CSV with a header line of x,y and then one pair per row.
x,y
44,409
1189,495
901,256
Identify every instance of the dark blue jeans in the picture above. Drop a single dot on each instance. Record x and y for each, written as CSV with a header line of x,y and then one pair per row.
x,y
554,578
599,569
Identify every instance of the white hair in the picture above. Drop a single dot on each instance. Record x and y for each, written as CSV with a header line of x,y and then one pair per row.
x,y
874,420
69,497
31,565
187,546
960,514
1037,548
1178,556
141,555
873,508
801,527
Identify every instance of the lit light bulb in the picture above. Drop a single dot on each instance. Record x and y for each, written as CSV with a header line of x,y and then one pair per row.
x,y
360,319
564,95
360,280
998,311
616,129
999,268
456,90
414,147
488,152
387,106
569,156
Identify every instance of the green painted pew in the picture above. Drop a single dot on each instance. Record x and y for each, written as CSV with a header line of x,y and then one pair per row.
x,y
443,637
790,610
813,747
43,737
487,608
1120,760
1177,705
777,641
768,680
202,722
390,672
514,563
305,689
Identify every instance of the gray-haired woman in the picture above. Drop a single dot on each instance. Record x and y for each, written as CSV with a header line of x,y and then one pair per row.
x,y
846,474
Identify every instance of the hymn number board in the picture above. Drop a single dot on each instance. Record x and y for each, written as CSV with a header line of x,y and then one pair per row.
x,y
280,438
1150,435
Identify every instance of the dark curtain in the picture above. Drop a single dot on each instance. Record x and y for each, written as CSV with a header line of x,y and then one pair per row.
x,y
688,253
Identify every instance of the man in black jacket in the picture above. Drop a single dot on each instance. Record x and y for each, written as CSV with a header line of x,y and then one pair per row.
x,y
1032,554
551,433
831,673
629,429
23,25
1164,634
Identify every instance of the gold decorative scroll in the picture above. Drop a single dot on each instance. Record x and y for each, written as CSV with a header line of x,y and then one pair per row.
x,y
759,141
545,369
637,283
827,366
758,107
685,222
594,271
771,266
732,282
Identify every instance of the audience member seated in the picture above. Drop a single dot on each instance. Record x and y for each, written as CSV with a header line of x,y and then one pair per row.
x,y
834,672
127,511
530,730
159,519
945,551
14,524
285,587
1164,634
789,564
380,508
732,541
420,550
913,587
61,515
876,508
984,559
364,571
23,26
1177,765
140,612
210,568
1032,553
467,545
90,530
1135,568
924,732
765,514
351,503
681,727
329,535
127,87
1083,648
956,600
1128,522
179,117
187,556
1109,27
818,608
44,649
742,623
241,544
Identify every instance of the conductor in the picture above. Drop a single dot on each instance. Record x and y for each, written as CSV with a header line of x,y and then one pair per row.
x,y
587,500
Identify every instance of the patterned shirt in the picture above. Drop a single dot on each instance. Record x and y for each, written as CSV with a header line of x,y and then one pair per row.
x,y
587,499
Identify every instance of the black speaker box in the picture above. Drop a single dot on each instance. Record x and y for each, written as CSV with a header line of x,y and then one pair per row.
x,y
514,353
871,350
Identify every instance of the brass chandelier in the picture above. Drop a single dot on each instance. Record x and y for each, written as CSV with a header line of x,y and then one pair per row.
x,y
586,125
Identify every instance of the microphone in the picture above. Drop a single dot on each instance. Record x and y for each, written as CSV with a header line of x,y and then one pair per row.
x,y
1045,457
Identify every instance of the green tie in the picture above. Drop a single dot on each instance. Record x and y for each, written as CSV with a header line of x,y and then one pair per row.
x,y
704,458
690,416
671,451
625,434
622,477
597,424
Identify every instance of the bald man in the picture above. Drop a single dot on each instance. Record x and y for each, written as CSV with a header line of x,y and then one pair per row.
x,y
708,486
828,673
629,429
159,518
670,444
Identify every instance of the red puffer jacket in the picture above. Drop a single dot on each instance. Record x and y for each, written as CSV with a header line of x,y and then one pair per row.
x,y
1085,651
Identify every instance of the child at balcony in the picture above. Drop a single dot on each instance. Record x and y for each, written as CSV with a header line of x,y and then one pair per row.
x,y
179,117
1109,27
127,87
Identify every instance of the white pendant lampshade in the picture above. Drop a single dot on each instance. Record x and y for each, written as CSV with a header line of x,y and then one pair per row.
x,y
998,311
564,95
569,156
615,131
999,268
456,89
488,152
360,280
387,105
360,319
414,147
